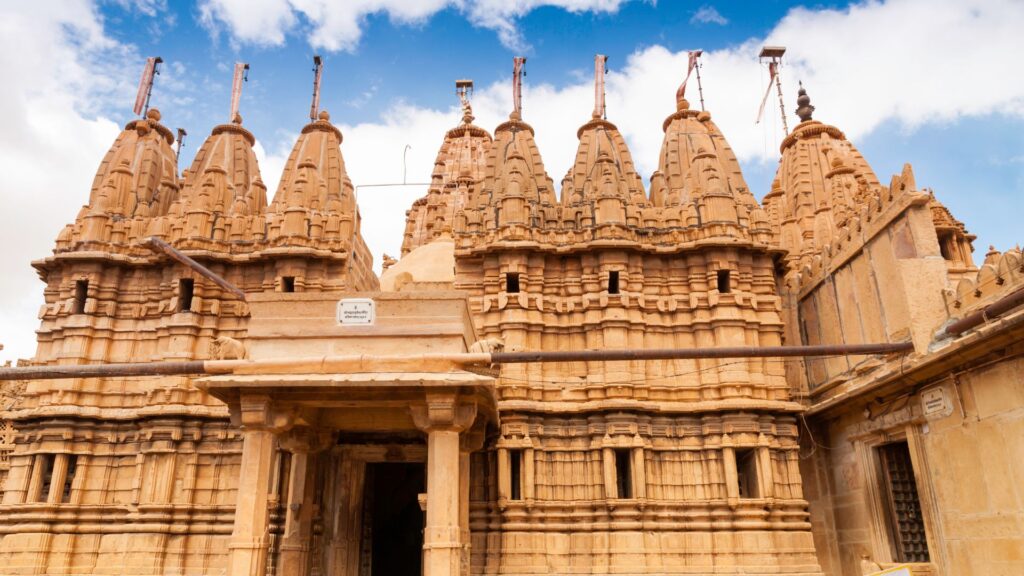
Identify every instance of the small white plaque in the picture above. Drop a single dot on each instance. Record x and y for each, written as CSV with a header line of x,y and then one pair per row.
x,y
935,403
357,312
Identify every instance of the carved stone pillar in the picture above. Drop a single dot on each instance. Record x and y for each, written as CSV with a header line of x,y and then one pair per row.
x,y
471,441
443,418
250,538
304,444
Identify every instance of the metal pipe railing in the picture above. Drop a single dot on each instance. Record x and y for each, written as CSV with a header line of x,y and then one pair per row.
x,y
412,362
978,317
698,353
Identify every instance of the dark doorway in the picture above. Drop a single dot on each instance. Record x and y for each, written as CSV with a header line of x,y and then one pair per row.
x,y
392,519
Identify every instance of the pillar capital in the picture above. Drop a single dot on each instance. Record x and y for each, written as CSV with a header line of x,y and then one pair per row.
x,y
307,440
443,411
473,439
258,412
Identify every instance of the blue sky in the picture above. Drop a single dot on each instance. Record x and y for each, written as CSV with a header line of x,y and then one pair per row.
x,y
884,72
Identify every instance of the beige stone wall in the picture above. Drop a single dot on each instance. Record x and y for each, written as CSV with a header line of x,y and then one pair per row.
x,y
150,497
884,284
968,467
684,512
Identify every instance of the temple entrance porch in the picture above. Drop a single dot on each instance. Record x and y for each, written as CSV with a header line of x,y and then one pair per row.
x,y
356,470
323,439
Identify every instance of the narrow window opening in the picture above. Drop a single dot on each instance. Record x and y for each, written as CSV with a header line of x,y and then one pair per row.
x,y
47,476
723,282
515,471
623,473
746,473
288,284
69,478
81,293
512,282
613,282
903,507
185,290
944,241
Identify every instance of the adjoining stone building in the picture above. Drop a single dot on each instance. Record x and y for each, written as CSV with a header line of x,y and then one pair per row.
x,y
321,446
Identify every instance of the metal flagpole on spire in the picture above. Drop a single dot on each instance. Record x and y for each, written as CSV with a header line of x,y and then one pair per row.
x,y
149,73
600,66
774,56
180,142
464,90
241,75
318,69
692,64
700,87
518,65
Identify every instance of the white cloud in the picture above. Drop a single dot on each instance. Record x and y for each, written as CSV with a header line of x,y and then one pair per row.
x,y
339,25
259,22
708,15
59,70
872,64
908,62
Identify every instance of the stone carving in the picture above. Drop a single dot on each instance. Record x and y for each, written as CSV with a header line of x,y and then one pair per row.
x,y
226,348
487,346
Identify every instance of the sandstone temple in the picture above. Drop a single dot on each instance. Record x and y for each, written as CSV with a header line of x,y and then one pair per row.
x,y
617,374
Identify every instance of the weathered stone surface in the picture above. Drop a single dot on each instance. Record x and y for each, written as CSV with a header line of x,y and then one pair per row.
x,y
742,466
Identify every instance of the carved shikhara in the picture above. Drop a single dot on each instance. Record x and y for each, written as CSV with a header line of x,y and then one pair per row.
x,y
656,467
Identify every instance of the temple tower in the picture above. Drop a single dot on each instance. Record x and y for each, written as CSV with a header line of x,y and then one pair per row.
x,y
459,166
157,455
705,450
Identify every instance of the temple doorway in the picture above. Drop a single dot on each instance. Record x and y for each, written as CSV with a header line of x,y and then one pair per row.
x,y
392,527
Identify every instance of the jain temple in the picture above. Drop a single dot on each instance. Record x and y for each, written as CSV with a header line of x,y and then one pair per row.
x,y
618,373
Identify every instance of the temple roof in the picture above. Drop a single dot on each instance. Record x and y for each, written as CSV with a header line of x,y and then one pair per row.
x,y
821,183
139,174
693,145
460,164
514,151
602,146
224,176
314,176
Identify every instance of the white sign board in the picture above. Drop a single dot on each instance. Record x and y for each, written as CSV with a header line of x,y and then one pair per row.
x,y
357,312
935,403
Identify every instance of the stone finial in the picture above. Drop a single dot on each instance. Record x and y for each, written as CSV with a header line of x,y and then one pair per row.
x,y
324,116
237,119
682,104
153,114
803,102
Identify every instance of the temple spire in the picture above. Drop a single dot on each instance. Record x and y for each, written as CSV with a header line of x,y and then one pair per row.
x,y
803,102
600,66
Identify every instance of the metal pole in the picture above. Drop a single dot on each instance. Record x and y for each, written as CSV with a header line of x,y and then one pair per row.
x,y
782,106
404,152
358,363
149,91
104,370
315,104
158,245
700,88
976,318
694,353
